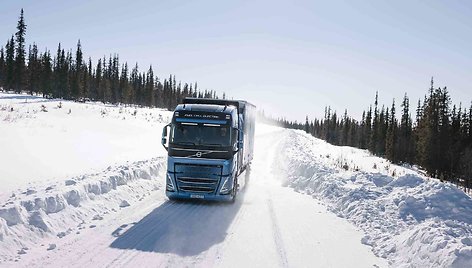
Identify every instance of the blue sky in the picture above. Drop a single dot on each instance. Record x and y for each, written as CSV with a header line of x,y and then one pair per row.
x,y
291,58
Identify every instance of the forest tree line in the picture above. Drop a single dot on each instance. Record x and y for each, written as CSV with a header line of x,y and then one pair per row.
x,y
439,139
68,75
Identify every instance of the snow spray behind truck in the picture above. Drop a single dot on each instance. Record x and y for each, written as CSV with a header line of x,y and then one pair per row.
x,y
210,143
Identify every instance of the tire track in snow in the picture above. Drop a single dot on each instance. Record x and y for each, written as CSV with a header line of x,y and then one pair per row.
x,y
279,243
233,229
266,167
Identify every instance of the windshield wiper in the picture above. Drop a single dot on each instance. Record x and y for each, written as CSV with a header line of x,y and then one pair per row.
x,y
212,144
184,143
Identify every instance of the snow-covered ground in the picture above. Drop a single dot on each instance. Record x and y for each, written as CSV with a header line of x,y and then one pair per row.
x,y
85,189
42,142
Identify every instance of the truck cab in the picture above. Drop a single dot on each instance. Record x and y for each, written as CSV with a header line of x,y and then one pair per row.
x,y
206,146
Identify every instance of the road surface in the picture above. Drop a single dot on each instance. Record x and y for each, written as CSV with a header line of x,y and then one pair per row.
x,y
268,226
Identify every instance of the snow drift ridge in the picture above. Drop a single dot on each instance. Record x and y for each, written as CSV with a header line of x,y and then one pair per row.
x,y
410,220
32,213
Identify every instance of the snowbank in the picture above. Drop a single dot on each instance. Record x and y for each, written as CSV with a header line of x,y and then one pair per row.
x,y
58,209
411,220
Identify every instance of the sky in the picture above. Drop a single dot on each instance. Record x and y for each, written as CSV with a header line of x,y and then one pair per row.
x,y
290,58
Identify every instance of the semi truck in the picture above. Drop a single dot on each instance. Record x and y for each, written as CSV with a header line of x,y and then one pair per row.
x,y
210,143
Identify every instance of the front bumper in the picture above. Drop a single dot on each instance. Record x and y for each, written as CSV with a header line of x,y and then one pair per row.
x,y
198,196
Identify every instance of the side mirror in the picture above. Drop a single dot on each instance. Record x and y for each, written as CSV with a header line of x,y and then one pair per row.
x,y
164,136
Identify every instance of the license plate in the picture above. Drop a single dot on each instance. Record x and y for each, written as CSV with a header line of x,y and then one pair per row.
x,y
199,196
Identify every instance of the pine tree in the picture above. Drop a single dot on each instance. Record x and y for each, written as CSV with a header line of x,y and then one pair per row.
x,y
344,129
427,132
362,134
57,70
390,145
134,84
382,127
453,152
10,64
405,150
149,87
333,135
124,85
20,66
307,125
33,70
469,138
98,94
46,74
115,79
443,161
67,73
368,126
77,87
2,69
375,127
105,83
465,164
89,89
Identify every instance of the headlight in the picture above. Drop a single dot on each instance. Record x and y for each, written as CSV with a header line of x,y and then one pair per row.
x,y
170,183
227,186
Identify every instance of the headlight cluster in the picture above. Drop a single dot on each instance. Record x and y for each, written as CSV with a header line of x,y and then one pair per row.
x,y
170,183
227,186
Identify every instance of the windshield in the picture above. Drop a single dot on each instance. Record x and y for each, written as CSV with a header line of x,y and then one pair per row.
x,y
200,134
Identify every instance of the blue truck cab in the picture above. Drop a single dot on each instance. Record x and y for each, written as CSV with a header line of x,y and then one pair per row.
x,y
210,143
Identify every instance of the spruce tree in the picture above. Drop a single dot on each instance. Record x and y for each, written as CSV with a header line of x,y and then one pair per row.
x,y
469,138
427,144
10,64
2,69
382,127
307,125
362,133
88,87
46,74
149,87
105,83
368,128
115,79
405,151
124,85
344,129
57,71
20,56
77,85
390,145
443,160
67,73
98,94
33,69
134,84
375,127
453,152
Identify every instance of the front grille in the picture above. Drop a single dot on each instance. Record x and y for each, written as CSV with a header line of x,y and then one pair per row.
x,y
198,178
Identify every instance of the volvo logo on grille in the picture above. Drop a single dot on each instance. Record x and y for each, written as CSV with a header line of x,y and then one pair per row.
x,y
198,154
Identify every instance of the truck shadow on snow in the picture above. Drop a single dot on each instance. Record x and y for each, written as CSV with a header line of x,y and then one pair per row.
x,y
182,228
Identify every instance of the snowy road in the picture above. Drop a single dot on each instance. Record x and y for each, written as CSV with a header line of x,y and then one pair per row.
x,y
268,226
